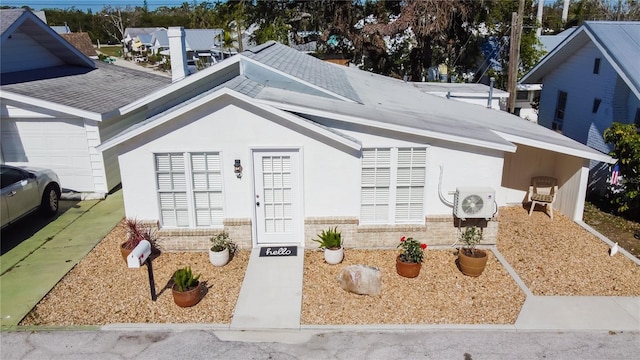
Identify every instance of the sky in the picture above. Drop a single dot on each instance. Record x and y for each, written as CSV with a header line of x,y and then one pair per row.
x,y
95,5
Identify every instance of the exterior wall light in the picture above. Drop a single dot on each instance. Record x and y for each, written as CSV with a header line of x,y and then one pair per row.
x,y
237,168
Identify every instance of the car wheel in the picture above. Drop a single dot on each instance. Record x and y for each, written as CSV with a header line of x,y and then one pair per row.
x,y
50,200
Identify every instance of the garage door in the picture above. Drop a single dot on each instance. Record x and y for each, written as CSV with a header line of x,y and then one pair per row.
x,y
60,145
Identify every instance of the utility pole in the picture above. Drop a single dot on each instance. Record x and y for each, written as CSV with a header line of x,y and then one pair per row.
x,y
514,54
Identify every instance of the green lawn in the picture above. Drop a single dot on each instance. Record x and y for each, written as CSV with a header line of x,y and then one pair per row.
x,y
110,50
626,233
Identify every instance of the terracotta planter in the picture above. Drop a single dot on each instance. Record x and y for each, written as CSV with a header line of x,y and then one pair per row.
x,y
407,269
333,257
125,252
472,265
186,298
219,258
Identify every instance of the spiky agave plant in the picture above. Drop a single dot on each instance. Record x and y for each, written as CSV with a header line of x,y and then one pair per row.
x,y
184,279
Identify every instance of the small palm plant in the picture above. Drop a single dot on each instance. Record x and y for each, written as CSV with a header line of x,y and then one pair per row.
x,y
330,239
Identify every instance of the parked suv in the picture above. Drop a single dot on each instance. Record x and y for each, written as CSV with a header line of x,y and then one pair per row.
x,y
26,189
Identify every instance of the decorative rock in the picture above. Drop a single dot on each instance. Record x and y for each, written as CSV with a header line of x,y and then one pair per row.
x,y
360,279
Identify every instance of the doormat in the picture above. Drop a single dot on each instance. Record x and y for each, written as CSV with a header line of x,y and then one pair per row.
x,y
279,251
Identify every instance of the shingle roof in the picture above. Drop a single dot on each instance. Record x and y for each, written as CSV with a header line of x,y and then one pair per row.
x,y
244,86
82,42
100,90
304,67
8,17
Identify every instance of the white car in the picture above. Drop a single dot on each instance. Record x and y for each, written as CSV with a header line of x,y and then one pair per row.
x,y
26,189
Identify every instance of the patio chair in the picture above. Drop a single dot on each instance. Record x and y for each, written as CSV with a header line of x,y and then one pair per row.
x,y
543,191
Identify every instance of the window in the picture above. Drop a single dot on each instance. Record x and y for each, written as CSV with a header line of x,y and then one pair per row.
x,y
637,118
522,95
596,105
393,185
596,66
189,189
559,114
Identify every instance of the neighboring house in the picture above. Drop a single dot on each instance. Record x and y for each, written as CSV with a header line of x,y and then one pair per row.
x,y
478,94
589,81
130,34
201,44
57,105
61,29
526,95
283,145
82,42
549,42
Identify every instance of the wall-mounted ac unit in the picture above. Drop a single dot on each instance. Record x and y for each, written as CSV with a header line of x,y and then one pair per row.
x,y
474,203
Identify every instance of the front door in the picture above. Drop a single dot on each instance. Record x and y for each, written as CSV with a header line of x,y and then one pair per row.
x,y
277,197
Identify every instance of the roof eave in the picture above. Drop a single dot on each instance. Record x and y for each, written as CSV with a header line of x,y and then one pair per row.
x,y
585,154
190,79
53,106
535,75
386,126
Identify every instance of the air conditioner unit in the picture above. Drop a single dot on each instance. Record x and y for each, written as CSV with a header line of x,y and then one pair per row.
x,y
474,203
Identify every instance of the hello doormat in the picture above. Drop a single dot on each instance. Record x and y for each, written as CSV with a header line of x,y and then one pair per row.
x,y
279,251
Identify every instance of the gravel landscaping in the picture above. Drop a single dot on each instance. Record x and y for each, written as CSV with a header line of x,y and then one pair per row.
x,y
553,257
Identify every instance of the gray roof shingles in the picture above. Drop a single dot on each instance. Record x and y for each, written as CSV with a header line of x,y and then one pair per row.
x,y
100,90
302,66
8,17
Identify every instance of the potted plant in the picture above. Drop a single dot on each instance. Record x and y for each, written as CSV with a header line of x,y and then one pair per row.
x,y
331,241
186,287
136,232
222,249
409,262
472,261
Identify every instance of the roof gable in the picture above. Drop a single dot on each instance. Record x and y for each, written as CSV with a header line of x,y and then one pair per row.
x,y
618,41
30,27
299,66
230,96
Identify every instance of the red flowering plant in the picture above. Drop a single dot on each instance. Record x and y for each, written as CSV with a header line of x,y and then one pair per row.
x,y
412,250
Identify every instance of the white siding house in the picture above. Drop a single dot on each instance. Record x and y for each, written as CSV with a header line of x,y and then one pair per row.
x,y
57,105
322,145
590,80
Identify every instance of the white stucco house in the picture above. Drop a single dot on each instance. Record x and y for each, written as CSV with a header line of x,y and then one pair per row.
x,y
284,145
57,105
590,80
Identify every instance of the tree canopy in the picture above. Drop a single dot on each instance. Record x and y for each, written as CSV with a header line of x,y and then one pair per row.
x,y
394,38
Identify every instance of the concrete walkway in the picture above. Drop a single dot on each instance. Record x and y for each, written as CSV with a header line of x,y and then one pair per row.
x,y
271,293
33,268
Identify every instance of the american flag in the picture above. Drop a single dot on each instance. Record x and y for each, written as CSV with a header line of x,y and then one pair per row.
x,y
614,175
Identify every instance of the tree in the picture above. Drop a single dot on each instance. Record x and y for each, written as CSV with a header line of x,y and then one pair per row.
x,y
625,139
437,26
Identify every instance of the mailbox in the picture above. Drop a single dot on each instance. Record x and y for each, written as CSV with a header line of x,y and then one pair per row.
x,y
139,254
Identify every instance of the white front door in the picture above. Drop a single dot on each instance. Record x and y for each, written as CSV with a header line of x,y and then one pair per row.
x,y
277,197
